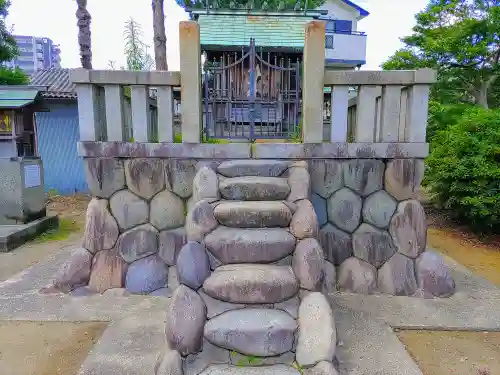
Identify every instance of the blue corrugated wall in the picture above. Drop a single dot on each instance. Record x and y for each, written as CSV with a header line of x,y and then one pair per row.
x,y
57,136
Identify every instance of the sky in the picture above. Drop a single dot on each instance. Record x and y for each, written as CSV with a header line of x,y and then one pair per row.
x,y
388,21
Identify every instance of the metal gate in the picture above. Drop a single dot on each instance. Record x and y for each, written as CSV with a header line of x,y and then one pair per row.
x,y
250,95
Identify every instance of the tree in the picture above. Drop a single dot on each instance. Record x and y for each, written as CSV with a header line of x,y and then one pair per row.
x,y
160,37
461,40
251,4
84,34
136,51
8,51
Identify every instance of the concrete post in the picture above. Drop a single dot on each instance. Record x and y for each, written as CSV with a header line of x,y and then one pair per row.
x,y
313,82
190,57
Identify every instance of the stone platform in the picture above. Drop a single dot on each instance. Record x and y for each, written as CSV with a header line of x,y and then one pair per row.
x,y
12,236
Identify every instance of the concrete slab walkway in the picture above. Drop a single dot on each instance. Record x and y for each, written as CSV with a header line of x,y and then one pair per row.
x,y
367,343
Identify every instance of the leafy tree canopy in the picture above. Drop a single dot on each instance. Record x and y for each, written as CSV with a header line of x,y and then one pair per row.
x,y
271,5
8,46
461,39
8,51
136,50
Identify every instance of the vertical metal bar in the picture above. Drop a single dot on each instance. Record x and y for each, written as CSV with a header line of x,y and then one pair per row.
x,y
252,87
297,95
206,127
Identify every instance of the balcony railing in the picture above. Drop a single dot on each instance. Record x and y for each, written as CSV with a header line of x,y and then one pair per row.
x,y
345,48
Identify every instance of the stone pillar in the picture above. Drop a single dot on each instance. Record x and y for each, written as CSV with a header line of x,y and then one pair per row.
x,y
312,90
190,56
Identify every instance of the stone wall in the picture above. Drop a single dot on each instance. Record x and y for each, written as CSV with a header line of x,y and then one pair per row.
x,y
372,228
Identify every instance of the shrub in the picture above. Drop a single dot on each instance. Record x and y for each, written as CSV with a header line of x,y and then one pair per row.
x,y
13,76
464,168
442,116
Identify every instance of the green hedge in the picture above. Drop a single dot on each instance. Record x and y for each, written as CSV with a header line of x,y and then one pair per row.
x,y
463,170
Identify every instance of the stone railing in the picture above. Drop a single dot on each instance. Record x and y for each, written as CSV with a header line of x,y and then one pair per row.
x,y
390,107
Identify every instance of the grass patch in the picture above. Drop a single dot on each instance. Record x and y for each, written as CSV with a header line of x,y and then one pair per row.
x,y
63,231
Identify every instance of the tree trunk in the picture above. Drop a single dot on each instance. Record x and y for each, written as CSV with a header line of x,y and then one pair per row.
x,y
160,37
84,35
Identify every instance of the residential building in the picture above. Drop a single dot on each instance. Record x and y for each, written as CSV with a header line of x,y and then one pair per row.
x,y
36,53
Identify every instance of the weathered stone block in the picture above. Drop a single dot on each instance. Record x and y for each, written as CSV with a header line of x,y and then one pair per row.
x,y
254,188
319,205
291,306
200,221
138,242
167,211
108,271
205,185
75,272
372,245
408,228
300,184
169,363
186,317
179,175
116,292
146,275
263,168
378,209
145,177
216,307
364,176
329,278
307,263
251,283
327,176
304,221
173,279
397,276
235,245
104,176
403,178
101,229
253,214
344,209
433,275
170,243
193,266
336,244
256,332
317,333
128,209
194,364
357,276
246,370
322,368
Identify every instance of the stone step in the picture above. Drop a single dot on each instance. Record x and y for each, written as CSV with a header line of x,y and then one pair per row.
x,y
253,332
237,245
253,214
263,168
254,188
251,283
247,370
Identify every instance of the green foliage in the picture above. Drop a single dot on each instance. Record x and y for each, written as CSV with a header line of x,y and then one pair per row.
x,y
463,171
269,5
298,367
296,136
136,51
177,138
442,116
8,46
63,231
459,38
13,76
245,360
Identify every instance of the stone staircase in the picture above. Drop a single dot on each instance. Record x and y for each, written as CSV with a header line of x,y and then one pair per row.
x,y
251,275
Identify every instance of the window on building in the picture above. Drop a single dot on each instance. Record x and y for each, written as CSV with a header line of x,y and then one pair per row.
x,y
343,26
329,41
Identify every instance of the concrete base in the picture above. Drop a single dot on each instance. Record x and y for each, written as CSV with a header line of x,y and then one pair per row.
x,y
12,236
